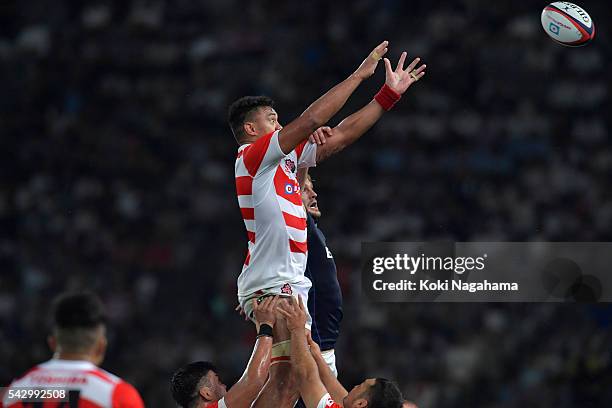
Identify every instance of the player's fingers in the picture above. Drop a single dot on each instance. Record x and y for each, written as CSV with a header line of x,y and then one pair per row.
x,y
421,75
380,48
420,69
265,304
379,51
311,139
388,68
284,312
383,51
255,305
272,302
319,136
284,306
300,303
413,64
400,63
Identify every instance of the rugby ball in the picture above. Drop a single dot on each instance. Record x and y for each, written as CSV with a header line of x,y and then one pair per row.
x,y
568,24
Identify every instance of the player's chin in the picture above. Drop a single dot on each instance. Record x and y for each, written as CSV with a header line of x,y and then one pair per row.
x,y
314,211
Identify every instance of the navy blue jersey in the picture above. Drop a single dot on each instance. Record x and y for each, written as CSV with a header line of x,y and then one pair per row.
x,y
325,296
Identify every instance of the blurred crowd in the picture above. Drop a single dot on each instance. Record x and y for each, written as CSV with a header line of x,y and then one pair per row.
x,y
118,176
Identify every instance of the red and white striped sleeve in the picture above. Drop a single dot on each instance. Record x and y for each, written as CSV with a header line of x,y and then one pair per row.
x,y
306,154
262,155
126,396
327,402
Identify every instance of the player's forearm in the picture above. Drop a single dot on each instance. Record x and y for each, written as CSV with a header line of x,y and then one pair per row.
x,y
242,394
317,114
303,363
258,367
355,125
329,380
324,108
350,129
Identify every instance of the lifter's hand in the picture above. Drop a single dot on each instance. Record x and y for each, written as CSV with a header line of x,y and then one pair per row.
x,y
401,79
240,310
368,66
265,312
315,350
294,313
320,135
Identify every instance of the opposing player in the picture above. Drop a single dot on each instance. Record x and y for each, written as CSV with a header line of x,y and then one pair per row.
x,y
325,295
269,193
318,386
79,343
197,385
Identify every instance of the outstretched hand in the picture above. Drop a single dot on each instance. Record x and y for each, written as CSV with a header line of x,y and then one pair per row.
x,y
242,313
368,66
265,311
294,313
401,79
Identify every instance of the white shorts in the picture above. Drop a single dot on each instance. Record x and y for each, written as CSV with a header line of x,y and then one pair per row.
x,y
330,358
282,289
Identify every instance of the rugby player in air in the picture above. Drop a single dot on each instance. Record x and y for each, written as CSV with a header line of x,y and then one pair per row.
x,y
197,385
268,191
78,342
317,384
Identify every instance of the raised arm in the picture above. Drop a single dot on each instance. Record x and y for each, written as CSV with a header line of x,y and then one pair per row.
x,y
245,391
355,125
324,108
306,370
329,380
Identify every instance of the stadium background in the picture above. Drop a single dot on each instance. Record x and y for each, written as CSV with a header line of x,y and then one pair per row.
x,y
117,176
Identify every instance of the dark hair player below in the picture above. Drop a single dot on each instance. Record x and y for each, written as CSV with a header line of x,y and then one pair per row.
x,y
78,342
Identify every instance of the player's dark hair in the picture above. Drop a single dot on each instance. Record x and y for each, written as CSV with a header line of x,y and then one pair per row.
x,y
186,382
77,318
384,394
240,110
78,310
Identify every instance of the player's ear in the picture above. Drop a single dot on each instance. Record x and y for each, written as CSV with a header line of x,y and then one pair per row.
x,y
52,342
360,403
101,344
249,128
206,393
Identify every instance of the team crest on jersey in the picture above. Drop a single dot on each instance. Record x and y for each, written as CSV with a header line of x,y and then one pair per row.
x,y
292,188
286,289
290,166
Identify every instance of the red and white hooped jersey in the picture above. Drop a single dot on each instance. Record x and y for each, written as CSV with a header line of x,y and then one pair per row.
x,y
327,402
218,404
88,386
275,219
